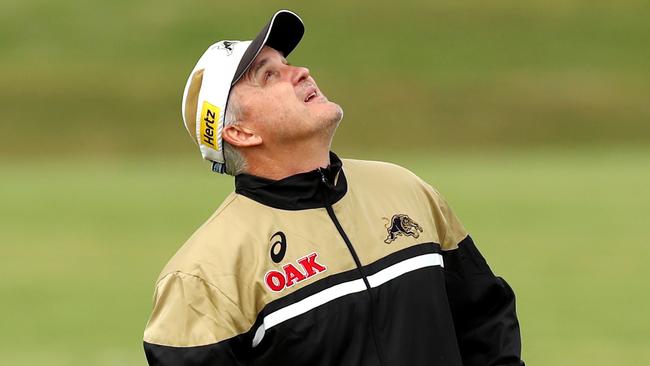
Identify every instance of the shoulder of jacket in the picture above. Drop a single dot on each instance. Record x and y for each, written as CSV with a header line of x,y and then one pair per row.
x,y
227,222
177,275
367,171
390,177
373,166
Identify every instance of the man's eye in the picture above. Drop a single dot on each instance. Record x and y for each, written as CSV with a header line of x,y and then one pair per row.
x,y
267,75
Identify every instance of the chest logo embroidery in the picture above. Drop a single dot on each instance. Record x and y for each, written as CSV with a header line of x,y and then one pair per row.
x,y
291,274
278,247
401,224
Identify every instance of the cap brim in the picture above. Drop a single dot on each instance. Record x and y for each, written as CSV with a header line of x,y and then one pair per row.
x,y
282,33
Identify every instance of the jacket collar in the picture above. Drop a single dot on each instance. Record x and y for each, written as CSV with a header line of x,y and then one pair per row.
x,y
317,188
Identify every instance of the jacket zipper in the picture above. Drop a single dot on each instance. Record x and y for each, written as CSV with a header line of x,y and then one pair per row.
x,y
348,243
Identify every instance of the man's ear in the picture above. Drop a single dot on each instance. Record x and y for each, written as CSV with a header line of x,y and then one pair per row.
x,y
240,136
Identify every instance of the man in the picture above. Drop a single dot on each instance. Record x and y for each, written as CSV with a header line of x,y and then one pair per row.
x,y
314,260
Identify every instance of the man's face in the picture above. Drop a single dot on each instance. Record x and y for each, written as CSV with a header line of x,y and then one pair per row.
x,y
282,103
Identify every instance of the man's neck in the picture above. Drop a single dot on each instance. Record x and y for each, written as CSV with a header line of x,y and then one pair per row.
x,y
286,162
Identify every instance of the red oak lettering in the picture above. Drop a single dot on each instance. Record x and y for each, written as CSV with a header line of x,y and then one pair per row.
x,y
275,280
310,265
290,275
293,274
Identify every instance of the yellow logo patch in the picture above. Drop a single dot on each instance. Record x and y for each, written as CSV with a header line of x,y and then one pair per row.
x,y
209,118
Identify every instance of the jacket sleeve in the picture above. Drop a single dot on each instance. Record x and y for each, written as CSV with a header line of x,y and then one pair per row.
x,y
483,308
482,304
192,324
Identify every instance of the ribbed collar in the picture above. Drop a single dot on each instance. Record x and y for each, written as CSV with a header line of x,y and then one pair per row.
x,y
317,188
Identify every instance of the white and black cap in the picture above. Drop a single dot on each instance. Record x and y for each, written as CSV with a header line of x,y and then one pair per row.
x,y
207,89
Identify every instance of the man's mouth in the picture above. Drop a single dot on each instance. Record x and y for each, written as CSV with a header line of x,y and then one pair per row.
x,y
310,94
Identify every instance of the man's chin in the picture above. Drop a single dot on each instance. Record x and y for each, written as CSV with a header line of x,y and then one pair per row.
x,y
334,113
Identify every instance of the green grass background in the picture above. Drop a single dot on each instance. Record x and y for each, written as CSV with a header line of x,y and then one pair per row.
x,y
531,117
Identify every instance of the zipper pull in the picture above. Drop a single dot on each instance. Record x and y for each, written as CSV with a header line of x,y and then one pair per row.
x,y
323,178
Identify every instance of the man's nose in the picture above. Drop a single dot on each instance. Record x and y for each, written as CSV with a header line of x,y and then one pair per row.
x,y
299,74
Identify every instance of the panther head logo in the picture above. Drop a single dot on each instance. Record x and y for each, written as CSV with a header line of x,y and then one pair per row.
x,y
401,224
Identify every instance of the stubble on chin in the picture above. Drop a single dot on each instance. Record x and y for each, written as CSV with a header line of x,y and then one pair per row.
x,y
335,113
331,123
339,113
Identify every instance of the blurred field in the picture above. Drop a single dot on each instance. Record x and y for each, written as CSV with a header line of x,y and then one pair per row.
x,y
531,117
84,240
108,75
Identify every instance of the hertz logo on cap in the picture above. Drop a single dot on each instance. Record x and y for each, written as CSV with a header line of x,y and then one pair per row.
x,y
209,118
